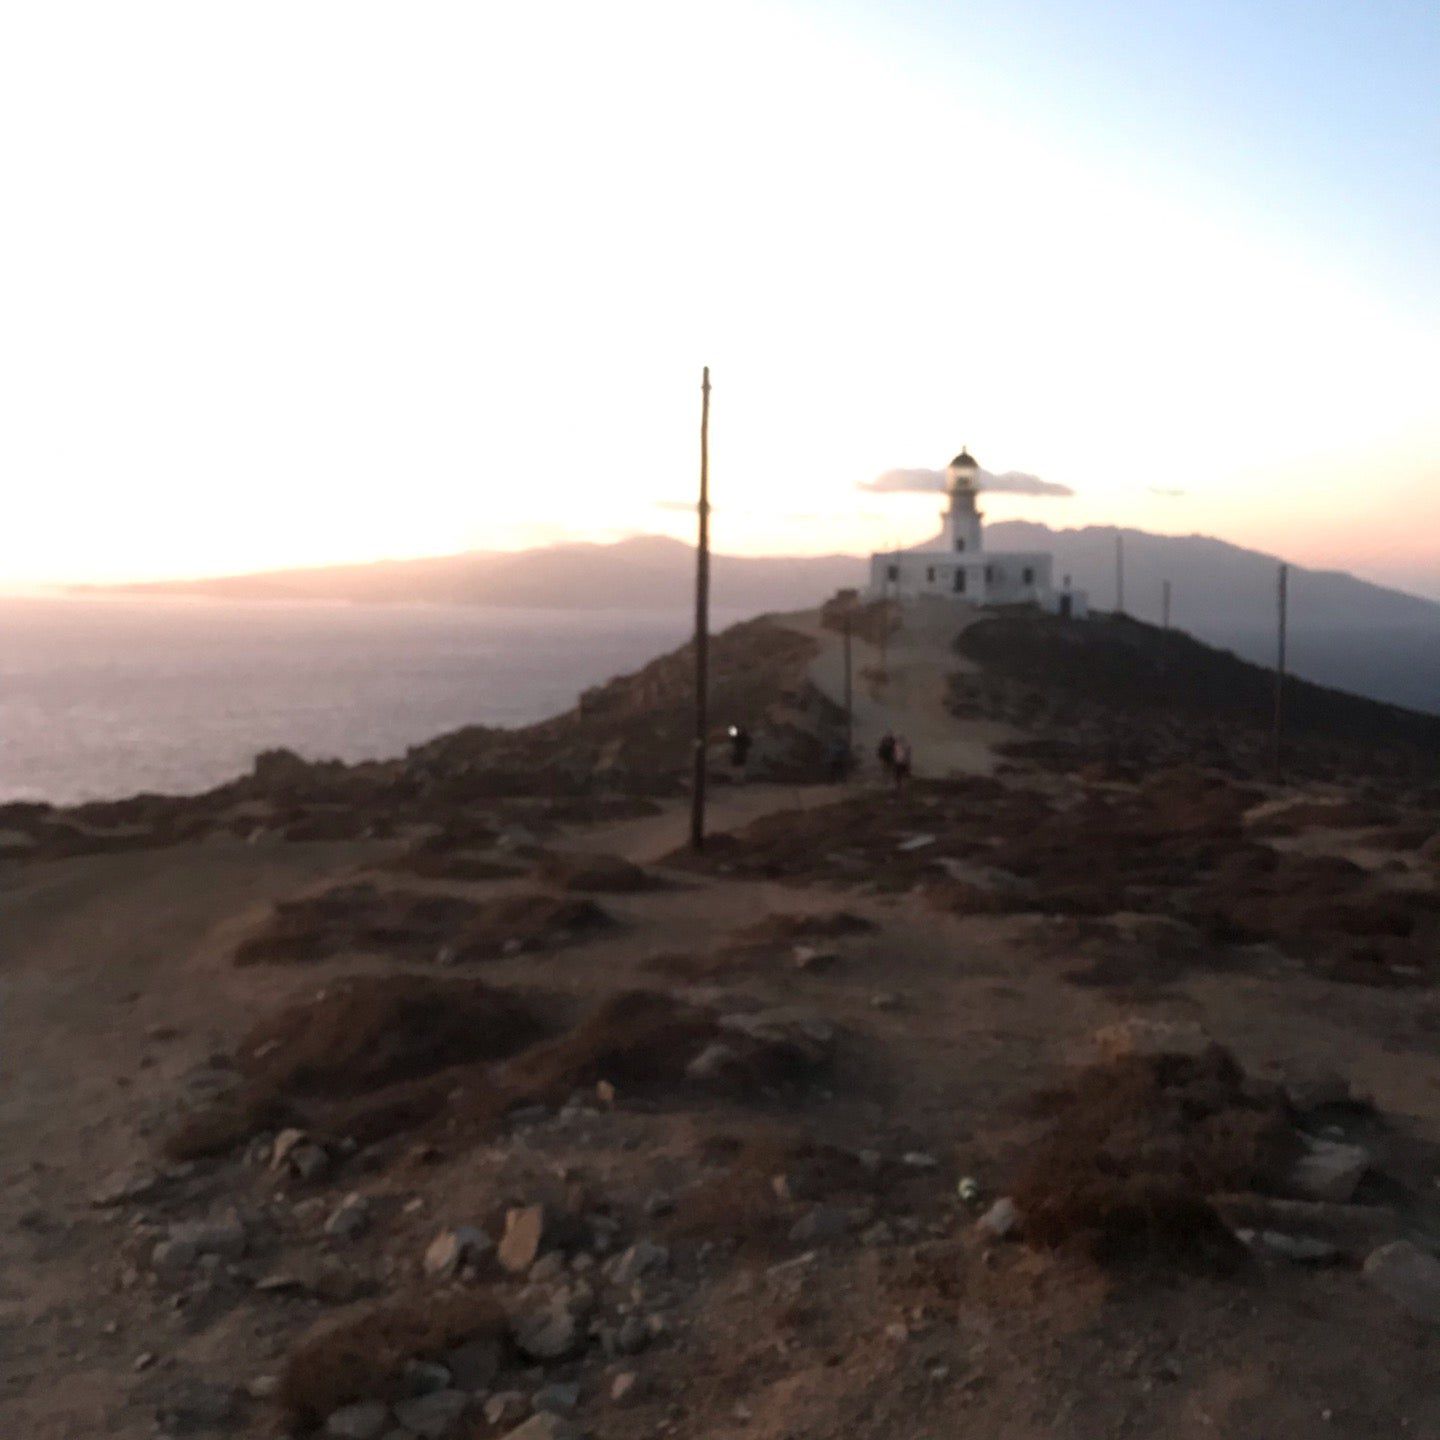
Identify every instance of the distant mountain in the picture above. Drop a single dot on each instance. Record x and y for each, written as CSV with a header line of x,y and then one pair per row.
x,y
650,571
1344,632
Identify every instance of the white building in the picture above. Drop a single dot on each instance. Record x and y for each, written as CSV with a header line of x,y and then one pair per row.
x,y
956,564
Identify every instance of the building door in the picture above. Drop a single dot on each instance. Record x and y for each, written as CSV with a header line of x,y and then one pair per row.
x,y
1066,607
959,582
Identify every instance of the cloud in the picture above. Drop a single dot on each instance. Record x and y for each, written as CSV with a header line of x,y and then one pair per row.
x,y
1012,482
1168,491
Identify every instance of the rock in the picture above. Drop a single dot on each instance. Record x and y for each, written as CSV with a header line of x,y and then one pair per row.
x,y
625,1386
545,1426
1329,1170
365,1421
880,1233
546,1268
632,1336
919,1160
197,1407
350,1219
186,1243
451,1249
433,1416
548,1332
143,1362
1141,1035
884,1000
473,1366
121,1187
604,1092
308,1161
505,1407
424,1377
823,1222
525,1227
806,1032
282,1145
642,1258
714,1062
558,1398
1409,1276
812,959
1301,1249
1000,1220
263,1387
1319,1091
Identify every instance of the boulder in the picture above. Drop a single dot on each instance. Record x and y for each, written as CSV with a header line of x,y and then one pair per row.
x,y
547,1332
1409,1276
474,1365
1329,1170
822,1223
504,1407
121,1187
560,1398
714,1062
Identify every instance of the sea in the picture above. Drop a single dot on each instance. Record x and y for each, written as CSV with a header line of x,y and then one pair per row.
x,y
106,697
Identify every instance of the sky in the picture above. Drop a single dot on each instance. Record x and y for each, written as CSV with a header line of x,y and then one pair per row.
x,y
333,280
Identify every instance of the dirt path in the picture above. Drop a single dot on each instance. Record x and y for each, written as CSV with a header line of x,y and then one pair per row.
x,y
908,694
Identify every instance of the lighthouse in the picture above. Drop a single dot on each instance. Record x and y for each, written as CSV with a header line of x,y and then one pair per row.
x,y
962,519
955,567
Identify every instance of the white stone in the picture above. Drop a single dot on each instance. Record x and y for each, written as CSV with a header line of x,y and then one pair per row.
x,y
451,1249
1329,1170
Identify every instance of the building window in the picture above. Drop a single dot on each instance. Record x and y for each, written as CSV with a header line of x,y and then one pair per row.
x,y
959,582
892,572
1029,576
929,574
959,542
989,574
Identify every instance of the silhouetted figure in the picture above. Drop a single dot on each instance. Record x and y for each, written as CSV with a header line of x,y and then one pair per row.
x,y
900,761
740,743
885,753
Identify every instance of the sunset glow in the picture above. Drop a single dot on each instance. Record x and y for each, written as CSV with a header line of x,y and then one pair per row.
x,y
296,284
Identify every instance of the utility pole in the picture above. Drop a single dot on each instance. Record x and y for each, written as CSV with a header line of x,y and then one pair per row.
x,y
1281,599
1119,573
702,625
1165,605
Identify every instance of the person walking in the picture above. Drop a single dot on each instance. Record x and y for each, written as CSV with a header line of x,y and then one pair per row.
x,y
885,753
900,762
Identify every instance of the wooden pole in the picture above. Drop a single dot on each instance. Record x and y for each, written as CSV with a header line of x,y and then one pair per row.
x,y
1281,597
1165,605
702,625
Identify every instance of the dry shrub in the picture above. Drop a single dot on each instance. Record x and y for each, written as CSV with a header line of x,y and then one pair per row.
x,y
364,1355
369,1031
227,1122
744,1203
1137,1146
365,1057
601,874
356,917
634,1038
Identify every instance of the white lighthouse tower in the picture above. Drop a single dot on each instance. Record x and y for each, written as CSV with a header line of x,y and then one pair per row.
x,y
956,567
962,519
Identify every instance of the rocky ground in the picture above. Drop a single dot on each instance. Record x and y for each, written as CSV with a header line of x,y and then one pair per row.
x,y
1089,1097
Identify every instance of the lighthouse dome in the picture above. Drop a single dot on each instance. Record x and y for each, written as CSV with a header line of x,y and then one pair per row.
x,y
964,461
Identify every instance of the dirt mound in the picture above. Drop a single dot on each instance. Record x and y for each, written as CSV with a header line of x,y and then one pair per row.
x,y
364,1355
1137,1147
598,874
406,925
375,1030
356,917
518,924
357,1059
